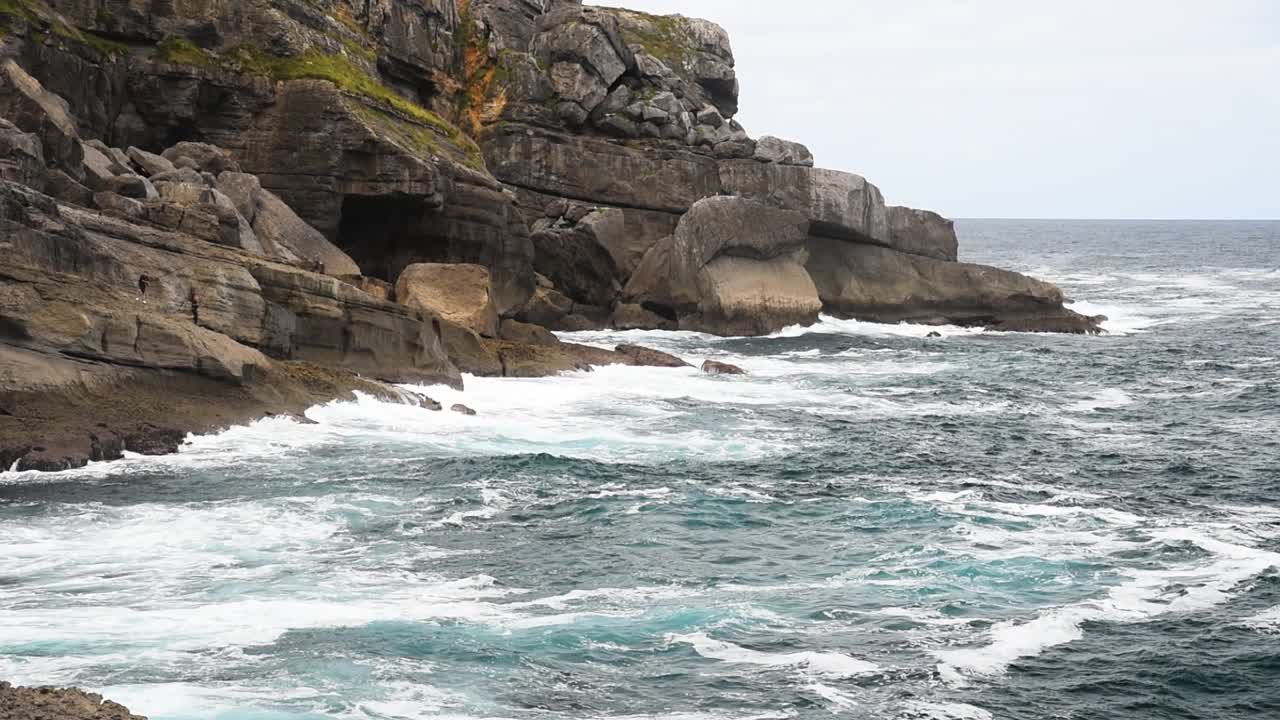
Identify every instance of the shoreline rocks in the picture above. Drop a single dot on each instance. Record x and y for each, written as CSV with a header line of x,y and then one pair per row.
x,y
46,703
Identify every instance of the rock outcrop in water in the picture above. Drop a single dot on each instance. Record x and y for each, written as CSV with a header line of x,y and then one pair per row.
x,y
221,210
18,703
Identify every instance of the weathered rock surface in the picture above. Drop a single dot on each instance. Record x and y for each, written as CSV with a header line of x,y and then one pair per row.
x,y
460,294
715,367
733,267
127,325
25,103
837,204
17,703
921,232
882,285
650,357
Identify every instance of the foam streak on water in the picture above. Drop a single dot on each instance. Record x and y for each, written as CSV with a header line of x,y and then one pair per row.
x,y
872,524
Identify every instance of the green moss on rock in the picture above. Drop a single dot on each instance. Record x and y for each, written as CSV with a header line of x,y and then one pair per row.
x,y
663,36
38,15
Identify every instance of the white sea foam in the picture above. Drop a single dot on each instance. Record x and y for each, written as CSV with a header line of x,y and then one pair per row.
x,y
611,597
828,325
1146,595
945,711
1121,319
820,663
1102,399
839,699
1267,621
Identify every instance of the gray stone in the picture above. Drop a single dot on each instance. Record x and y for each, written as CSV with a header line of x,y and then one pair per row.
x,y
710,117
118,205
120,162
180,175
651,67
97,167
276,224
21,157
575,83
149,163
208,158
882,285
133,186
654,115
587,37
243,189
33,109
838,204
733,267
667,102
783,152
572,113
67,189
921,232
620,126
734,149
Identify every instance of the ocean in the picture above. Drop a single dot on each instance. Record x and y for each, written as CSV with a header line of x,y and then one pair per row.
x,y
872,524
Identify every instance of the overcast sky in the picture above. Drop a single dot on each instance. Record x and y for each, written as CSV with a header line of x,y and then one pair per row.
x,y
1017,108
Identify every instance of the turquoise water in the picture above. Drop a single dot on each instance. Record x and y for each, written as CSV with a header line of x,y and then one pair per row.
x,y
873,524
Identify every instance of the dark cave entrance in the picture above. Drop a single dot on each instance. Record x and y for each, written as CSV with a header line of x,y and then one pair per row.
x,y
386,233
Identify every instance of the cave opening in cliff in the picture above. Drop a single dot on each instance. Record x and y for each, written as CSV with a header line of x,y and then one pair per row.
x,y
386,233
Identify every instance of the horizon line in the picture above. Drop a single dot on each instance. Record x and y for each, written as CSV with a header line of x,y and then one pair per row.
x,y
1119,219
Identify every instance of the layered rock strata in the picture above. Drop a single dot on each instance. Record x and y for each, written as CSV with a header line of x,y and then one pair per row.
x,y
144,296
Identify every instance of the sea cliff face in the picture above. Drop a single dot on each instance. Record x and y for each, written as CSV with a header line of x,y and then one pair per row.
x,y
217,210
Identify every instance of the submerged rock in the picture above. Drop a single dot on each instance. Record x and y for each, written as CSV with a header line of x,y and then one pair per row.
x,y
714,367
650,358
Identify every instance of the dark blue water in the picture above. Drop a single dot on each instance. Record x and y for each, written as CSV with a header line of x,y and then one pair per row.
x,y
873,524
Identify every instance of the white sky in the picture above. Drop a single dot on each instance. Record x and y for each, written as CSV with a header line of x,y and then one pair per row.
x,y
1021,108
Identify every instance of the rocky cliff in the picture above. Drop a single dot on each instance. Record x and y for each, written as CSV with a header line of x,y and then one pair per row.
x,y
254,200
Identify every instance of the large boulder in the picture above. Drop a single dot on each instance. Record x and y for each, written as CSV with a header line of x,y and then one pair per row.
x,y
32,108
585,52
278,226
21,156
882,285
150,164
460,294
590,257
922,232
733,267
783,152
205,157
838,204
99,168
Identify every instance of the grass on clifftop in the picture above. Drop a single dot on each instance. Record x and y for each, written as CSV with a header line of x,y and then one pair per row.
x,y
38,15
345,74
665,38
